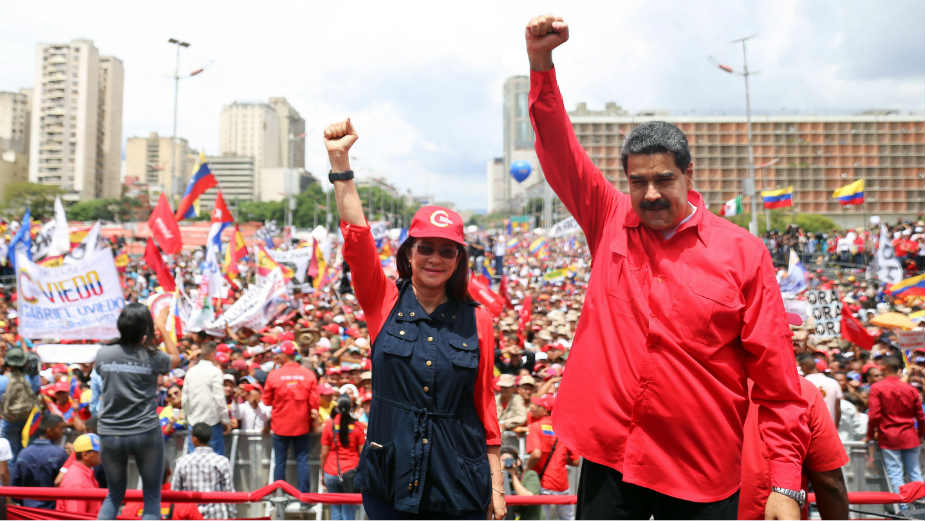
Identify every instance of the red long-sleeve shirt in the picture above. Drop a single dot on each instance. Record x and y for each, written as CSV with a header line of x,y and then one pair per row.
x,y
655,386
377,296
894,408
292,391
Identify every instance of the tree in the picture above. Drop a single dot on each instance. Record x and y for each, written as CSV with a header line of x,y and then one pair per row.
x,y
38,197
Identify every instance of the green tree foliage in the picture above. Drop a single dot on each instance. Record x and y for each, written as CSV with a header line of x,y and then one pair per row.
x,y
781,218
120,210
39,198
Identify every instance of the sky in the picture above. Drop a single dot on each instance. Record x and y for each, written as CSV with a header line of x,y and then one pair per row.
x,y
422,81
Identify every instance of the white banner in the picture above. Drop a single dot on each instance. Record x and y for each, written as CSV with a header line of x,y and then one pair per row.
x,y
296,260
564,228
255,308
379,230
888,268
913,339
825,306
73,302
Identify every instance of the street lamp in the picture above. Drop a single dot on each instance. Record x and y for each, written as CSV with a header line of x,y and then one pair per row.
x,y
750,182
177,181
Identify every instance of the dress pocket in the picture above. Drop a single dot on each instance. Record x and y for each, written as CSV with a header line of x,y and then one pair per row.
x,y
399,339
375,472
474,490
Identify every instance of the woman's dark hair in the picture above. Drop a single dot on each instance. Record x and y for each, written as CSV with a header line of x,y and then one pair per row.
x,y
134,323
344,404
457,287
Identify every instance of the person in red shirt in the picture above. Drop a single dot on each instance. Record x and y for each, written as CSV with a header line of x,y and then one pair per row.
x,y
80,476
896,420
135,509
342,439
825,457
682,307
292,392
549,458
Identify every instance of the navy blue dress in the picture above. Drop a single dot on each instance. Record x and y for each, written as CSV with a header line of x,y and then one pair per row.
x,y
425,446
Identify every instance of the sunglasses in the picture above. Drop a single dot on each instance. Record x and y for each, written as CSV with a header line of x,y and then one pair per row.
x,y
426,250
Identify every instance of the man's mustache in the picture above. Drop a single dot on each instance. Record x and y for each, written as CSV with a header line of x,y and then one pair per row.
x,y
658,204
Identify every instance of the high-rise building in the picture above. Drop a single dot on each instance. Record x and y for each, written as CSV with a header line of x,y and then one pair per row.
x,y
252,130
292,134
151,160
237,178
506,194
76,123
15,112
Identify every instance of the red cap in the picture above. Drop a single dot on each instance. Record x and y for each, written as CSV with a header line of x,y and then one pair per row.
x,y
239,365
222,358
268,339
332,328
436,221
325,390
223,348
287,347
333,370
62,386
59,368
353,332
367,397
547,401
821,366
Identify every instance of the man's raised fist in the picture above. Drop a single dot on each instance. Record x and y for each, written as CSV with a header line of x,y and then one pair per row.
x,y
544,33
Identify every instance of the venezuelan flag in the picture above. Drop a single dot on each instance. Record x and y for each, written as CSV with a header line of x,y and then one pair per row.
x,y
266,264
486,269
31,428
121,262
778,198
538,246
318,267
911,287
852,193
547,429
236,251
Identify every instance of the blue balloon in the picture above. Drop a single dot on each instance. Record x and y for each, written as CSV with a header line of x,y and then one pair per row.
x,y
520,170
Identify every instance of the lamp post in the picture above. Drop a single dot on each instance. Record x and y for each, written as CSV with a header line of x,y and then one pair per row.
x,y
750,182
176,96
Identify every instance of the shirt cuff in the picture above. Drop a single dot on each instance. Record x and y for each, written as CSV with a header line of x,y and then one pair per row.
x,y
539,78
786,474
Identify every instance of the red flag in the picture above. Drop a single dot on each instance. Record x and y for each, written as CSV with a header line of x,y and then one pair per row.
x,y
526,313
482,293
163,226
853,331
154,260
502,290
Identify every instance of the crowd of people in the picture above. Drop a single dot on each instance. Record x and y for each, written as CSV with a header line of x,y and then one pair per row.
x,y
227,382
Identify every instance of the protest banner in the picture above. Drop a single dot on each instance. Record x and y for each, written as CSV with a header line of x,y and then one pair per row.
x,y
825,306
379,230
296,260
71,302
565,228
912,339
255,307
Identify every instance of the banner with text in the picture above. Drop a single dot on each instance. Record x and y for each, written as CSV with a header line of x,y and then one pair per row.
x,y
70,302
825,307
565,228
254,309
296,260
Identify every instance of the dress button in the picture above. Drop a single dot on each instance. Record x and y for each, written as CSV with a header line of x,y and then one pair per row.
x,y
411,314
428,363
465,344
424,441
430,339
426,389
402,332
400,314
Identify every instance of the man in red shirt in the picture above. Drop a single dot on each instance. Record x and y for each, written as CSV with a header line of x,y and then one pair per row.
x,y
80,476
895,419
825,457
292,392
682,307
548,457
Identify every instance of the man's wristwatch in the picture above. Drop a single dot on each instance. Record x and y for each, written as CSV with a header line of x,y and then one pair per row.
x,y
340,176
797,495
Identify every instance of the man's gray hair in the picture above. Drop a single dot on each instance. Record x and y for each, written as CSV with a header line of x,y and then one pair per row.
x,y
657,137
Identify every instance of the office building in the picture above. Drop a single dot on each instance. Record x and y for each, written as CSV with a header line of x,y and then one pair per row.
x,y
15,115
291,132
251,130
151,160
76,127
237,178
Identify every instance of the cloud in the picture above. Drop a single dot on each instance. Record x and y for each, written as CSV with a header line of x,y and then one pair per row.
x,y
423,80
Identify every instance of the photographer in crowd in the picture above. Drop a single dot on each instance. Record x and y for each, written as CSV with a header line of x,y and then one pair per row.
x,y
518,482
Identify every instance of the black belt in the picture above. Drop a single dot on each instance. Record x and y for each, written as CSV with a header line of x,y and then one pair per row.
x,y
421,431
